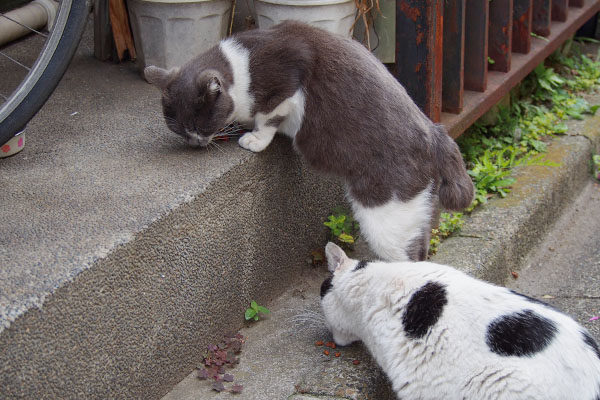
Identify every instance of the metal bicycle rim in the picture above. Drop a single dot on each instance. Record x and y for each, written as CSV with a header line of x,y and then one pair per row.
x,y
41,63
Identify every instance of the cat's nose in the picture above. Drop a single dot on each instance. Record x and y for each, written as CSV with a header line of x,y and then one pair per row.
x,y
197,140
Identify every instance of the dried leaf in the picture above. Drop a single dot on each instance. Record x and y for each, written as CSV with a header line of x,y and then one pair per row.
x,y
237,389
203,374
228,378
218,386
317,257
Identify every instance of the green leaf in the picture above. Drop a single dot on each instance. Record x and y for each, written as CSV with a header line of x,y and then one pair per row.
x,y
505,182
250,313
256,317
344,237
263,310
254,305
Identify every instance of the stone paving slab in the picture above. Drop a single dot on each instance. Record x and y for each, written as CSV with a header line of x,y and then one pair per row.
x,y
564,270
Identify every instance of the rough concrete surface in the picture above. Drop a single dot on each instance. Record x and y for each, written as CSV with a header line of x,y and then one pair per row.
x,y
280,359
125,250
565,269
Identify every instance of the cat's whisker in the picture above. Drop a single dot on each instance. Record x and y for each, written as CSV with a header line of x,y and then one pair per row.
x,y
216,146
304,319
310,315
231,130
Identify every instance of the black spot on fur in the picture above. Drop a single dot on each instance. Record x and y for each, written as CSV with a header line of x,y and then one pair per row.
x,y
326,286
532,299
360,265
589,340
520,334
424,309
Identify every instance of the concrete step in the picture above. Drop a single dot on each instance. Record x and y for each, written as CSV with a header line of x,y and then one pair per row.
x,y
123,251
280,359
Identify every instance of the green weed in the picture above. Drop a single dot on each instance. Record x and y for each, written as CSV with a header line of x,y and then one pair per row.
x,y
539,108
449,223
254,311
343,227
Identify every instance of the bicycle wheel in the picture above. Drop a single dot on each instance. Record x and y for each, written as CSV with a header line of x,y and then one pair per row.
x,y
48,69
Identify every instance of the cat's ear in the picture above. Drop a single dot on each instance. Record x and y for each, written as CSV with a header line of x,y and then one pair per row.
x,y
159,77
335,256
209,83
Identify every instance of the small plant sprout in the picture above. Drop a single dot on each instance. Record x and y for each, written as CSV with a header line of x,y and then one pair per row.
x,y
336,224
449,224
343,228
254,311
596,161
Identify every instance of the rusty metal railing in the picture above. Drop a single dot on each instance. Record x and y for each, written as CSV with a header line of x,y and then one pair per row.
x,y
457,58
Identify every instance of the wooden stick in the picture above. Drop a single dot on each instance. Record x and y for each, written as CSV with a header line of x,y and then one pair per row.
x,y
120,28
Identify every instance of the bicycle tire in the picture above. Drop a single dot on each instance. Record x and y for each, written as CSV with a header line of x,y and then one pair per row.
x,y
47,71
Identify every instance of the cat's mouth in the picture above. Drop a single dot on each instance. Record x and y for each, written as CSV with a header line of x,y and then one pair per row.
x,y
193,139
229,131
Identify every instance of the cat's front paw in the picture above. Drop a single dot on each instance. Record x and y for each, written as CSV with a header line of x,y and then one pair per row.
x,y
251,141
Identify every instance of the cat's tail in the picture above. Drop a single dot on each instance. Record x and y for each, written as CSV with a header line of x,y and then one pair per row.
x,y
456,188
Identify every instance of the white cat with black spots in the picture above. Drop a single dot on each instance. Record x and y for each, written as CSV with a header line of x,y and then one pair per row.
x,y
441,334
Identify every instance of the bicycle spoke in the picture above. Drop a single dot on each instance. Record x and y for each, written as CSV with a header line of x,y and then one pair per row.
x,y
15,61
24,26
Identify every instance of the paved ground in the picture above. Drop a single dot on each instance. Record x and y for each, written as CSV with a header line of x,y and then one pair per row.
x,y
565,269
123,250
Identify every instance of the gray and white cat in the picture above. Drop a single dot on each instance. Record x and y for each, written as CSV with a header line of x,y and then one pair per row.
x,y
441,334
347,115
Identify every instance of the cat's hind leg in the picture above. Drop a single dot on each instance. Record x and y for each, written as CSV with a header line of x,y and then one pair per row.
x,y
397,230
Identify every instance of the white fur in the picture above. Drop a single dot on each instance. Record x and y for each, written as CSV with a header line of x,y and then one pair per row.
x,y
391,227
291,109
453,361
243,102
